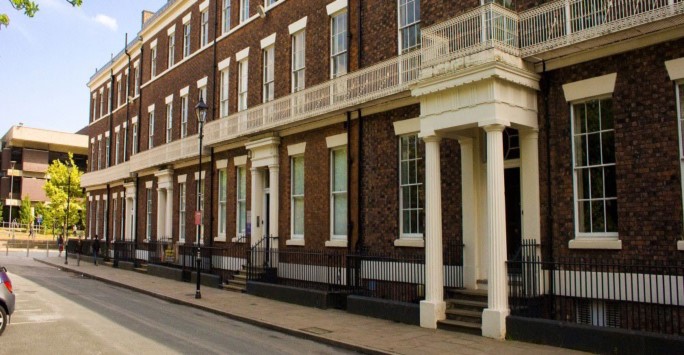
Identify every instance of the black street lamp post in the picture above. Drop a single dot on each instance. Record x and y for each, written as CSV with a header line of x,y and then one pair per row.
x,y
201,112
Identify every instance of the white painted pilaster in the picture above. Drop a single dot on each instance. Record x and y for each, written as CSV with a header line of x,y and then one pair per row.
x,y
257,205
161,212
470,213
433,307
168,229
494,316
274,210
529,176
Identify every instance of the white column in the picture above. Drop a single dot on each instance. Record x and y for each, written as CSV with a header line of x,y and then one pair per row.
x,y
470,214
274,209
433,307
169,214
494,316
529,154
129,206
256,208
161,212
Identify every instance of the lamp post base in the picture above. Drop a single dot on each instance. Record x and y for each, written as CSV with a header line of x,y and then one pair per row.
x,y
198,294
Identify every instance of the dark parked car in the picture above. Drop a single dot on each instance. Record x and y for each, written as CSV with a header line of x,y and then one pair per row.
x,y
6,299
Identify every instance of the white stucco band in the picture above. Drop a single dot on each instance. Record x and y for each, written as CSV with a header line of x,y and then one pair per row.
x,y
583,89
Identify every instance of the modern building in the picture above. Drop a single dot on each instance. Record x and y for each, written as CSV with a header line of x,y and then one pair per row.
x,y
26,154
467,134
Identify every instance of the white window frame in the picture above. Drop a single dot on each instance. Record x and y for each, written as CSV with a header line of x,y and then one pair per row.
x,y
244,10
137,80
334,194
222,207
94,107
268,73
116,148
225,93
225,16
404,25
148,213
107,149
577,169
184,116
114,210
105,222
122,221
187,30
204,28
118,93
182,204
419,184
172,50
169,122
153,61
199,189
134,145
101,103
241,201
341,52
679,92
150,141
294,197
299,65
243,83
99,154
109,98
97,217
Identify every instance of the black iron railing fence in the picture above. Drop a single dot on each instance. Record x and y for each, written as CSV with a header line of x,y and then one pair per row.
x,y
124,250
397,275
644,296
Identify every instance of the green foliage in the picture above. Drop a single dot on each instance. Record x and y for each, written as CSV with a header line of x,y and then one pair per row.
x,y
25,216
29,8
62,190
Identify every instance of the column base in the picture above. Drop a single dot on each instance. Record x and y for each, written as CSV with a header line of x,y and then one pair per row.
x,y
494,323
431,312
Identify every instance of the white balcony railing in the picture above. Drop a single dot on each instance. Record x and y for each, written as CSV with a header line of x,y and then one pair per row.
x,y
566,22
380,80
488,26
549,26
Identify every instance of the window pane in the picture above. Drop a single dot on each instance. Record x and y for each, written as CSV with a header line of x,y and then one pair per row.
x,y
596,176
298,163
597,217
608,147
607,114
340,216
340,170
609,175
580,119
594,148
593,116
584,218
611,216
299,216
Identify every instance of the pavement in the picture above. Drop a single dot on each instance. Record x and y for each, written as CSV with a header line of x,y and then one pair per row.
x,y
334,327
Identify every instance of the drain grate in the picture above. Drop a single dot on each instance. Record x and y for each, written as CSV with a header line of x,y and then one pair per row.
x,y
316,330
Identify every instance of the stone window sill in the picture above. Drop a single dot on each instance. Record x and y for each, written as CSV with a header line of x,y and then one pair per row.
x,y
238,240
587,243
411,243
295,242
336,243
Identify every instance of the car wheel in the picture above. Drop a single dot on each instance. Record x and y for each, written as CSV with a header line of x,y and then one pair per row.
x,y
3,319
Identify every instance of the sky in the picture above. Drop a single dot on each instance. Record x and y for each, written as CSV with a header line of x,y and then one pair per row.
x,y
46,61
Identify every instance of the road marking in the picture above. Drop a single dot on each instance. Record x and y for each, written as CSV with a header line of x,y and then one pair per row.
x,y
28,310
37,322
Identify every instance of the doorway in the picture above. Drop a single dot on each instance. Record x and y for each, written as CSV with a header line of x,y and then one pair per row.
x,y
513,211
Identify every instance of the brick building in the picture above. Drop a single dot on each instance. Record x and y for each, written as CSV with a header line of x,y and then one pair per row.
x,y
453,130
32,150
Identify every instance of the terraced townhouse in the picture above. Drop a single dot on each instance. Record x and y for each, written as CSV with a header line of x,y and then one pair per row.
x,y
478,165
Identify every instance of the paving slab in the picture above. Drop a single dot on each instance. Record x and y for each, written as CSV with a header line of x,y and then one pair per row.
x,y
332,326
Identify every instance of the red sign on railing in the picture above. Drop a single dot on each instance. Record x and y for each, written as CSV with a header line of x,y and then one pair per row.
x,y
198,218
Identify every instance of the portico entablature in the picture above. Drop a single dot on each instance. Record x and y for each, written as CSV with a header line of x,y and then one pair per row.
x,y
264,152
164,179
476,101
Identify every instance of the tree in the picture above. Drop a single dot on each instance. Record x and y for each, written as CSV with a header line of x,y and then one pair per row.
x,y
25,215
29,7
64,189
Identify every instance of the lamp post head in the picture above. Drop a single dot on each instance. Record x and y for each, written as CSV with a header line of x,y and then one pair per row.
x,y
12,164
201,111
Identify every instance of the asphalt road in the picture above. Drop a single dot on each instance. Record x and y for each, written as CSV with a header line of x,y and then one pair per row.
x,y
63,313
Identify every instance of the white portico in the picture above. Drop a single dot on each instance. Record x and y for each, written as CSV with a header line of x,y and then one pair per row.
x,y
165,203
264,187
475,105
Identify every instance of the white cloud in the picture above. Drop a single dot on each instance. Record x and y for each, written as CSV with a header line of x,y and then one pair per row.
x,y
106,21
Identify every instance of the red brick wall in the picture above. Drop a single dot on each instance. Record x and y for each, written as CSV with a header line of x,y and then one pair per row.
x,y
647,159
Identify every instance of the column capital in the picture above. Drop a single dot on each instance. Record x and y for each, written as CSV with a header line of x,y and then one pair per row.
x,y
495,127
531,133
432,138
273,167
